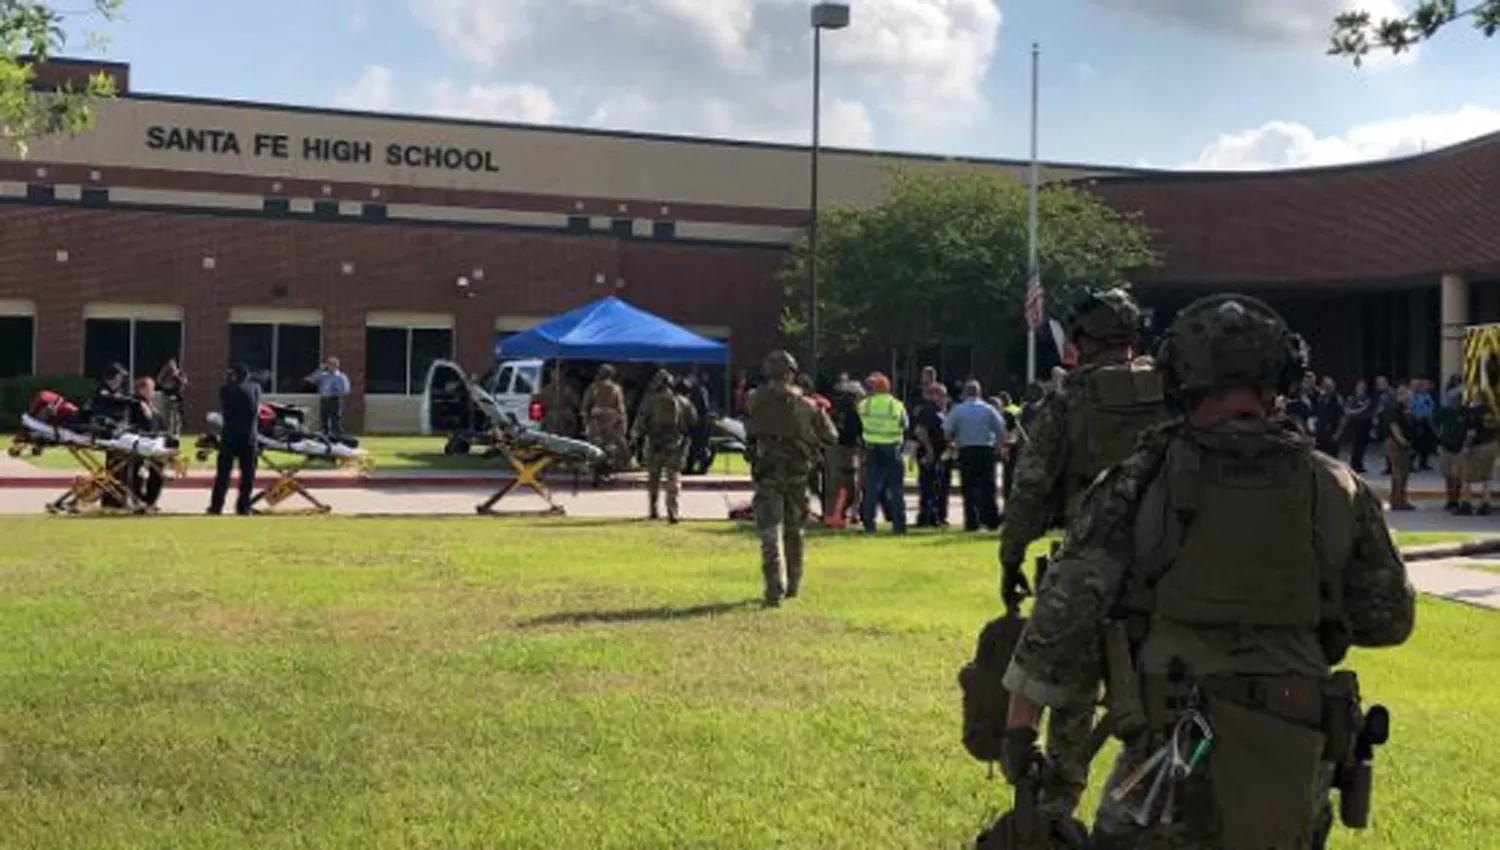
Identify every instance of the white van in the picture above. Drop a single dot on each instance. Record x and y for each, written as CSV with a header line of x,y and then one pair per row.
x,y
446,408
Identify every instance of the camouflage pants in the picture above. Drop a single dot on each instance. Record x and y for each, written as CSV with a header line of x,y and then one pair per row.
x,y
1195,817
780,512
664,466
1067,750
606,429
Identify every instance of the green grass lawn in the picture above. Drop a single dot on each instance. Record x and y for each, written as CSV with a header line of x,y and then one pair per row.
x,y
346,683
403,454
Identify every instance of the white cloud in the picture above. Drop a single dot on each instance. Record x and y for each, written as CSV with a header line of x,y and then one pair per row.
x,y
735,67
1286,144
1302,24
372,92
1085,71
525,102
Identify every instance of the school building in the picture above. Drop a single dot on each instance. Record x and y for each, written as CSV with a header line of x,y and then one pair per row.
x,y
220,231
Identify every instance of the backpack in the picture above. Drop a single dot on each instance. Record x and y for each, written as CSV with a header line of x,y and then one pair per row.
x,y
1109,407
985,699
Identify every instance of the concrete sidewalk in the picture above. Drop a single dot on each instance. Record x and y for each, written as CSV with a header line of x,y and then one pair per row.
x,y
15,473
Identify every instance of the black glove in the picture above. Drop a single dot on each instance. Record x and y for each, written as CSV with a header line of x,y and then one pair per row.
x,y
1013,586
1019,753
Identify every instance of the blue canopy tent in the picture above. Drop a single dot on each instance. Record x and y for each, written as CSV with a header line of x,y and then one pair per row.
x,y
610,329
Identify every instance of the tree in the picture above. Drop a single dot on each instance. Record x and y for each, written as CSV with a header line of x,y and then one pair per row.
x,y
943,259
1357,34
31,31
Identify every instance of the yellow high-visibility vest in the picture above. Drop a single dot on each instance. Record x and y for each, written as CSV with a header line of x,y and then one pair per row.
x,y
881,417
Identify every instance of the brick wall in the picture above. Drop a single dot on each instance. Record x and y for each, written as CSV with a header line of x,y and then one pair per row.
x,y
157,258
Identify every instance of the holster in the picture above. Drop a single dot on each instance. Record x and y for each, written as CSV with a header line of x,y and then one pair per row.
x,y
1269,752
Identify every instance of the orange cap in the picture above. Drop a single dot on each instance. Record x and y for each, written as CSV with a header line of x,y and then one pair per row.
x,y
879,383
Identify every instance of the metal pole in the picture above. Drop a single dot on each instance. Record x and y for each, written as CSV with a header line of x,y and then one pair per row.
x,y
1031,263
812,227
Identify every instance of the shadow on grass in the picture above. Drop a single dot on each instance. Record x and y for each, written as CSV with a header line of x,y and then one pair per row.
x,y
637,615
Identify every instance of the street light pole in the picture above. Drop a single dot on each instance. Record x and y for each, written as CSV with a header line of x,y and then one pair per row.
x,y
825,16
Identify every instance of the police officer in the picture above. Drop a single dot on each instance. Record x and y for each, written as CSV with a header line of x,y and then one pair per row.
x,y
787,433
1089,423
1231,566
664,422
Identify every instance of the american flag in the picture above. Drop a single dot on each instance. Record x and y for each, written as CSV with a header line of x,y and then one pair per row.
x,y
1035,311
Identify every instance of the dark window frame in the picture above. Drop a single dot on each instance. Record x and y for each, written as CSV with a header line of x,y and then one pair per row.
x,y
9,333
276,357
415,378
132,344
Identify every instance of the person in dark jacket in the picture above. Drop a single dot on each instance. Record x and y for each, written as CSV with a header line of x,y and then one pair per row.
x,y
239,402
699,458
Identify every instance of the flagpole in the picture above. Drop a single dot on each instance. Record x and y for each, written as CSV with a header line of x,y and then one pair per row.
x,y
1033,276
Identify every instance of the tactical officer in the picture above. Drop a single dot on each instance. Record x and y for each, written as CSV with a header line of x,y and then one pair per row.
x,y
604,409
1224,568
664,422
787,434
1089,423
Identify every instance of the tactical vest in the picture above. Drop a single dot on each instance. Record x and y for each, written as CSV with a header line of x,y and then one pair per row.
x,y
773,412
1229,535
665,413
880,415
1109,407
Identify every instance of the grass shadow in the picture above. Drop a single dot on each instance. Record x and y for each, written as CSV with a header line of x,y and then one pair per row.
x,y
637,615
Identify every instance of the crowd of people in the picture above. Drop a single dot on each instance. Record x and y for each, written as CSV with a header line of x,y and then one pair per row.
x,y
1408,425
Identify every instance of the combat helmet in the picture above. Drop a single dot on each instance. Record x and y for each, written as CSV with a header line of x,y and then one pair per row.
x,y
1230,341
779,366
1108,315
662,380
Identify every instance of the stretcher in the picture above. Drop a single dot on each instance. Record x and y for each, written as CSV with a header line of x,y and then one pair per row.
x,y
529,451
287,449
105,451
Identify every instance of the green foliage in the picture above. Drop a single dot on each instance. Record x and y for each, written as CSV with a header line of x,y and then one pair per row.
x,y
31,31
943,259
16,394
1357,34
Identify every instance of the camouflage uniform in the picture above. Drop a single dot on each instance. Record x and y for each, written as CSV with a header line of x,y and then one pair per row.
x,y
664,422
604,405
1087,424
786,431
1219,612
560,402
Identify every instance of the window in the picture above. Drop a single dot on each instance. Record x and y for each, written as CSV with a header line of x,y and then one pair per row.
x,y
373,212
397,359
578,224
42,194
279,356
664,229
622,226
527,381
277,207
93,196
17,343
142,346
326,209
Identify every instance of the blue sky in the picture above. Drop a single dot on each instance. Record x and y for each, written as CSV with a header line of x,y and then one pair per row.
x,y
1171,83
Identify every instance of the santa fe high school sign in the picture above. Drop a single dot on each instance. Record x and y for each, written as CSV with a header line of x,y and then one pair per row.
x,y
317,149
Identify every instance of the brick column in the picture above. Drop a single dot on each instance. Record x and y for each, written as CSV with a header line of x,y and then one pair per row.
x,y
1455,315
